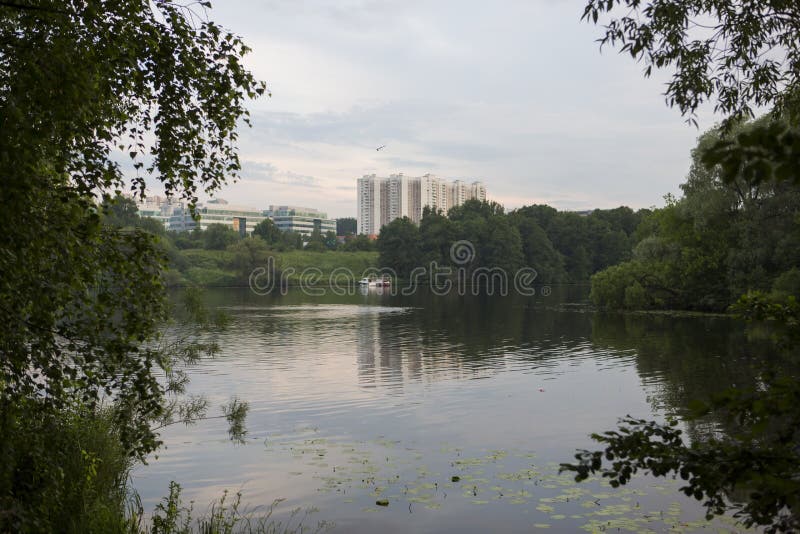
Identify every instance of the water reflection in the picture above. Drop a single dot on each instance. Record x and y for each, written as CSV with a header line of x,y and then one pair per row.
x,y
437,377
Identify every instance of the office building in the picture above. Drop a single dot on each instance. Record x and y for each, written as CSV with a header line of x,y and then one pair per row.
x,y
159,208
242,219
219,211
301,220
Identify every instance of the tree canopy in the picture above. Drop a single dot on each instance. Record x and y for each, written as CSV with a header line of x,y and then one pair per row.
x,y
85,86
561,246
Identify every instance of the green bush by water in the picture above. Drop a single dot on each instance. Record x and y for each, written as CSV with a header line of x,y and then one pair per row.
x,y
64,473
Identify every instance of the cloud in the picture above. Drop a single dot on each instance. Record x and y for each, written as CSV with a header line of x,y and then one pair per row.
x,y
513,93
256,171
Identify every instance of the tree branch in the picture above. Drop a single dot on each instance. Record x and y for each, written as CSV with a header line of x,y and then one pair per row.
x,y
28,7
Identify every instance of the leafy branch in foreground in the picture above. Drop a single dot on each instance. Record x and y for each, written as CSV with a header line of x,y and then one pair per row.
x,y
753,469
739,53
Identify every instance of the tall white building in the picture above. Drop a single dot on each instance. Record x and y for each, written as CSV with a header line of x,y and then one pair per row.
x,y
477,191
382,200
369,209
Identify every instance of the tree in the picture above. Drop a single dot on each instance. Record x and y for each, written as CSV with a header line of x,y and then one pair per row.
x,y
719,241
316,242
738,53
331,242
758,458
437,234
247,254
398,247
358,243
268,231
80,84
538,250
219,236
120,211
496,241
291,240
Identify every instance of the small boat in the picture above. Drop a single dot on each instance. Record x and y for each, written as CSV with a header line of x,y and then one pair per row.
x,y
374,282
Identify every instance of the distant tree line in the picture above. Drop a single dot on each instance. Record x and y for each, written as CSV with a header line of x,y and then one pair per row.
x,y
563,247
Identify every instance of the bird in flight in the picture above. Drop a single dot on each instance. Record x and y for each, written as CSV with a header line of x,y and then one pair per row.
x,y
380,147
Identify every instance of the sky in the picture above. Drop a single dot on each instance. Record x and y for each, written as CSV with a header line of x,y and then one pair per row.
x,y
516,94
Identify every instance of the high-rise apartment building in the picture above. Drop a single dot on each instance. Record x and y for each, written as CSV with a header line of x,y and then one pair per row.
x,y
382,200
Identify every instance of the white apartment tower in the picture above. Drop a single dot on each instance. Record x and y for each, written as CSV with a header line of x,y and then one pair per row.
x,y
477,191
382,200
369,208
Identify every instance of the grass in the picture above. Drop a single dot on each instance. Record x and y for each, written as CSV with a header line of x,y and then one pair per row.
x,y
226,516
343,263
215,268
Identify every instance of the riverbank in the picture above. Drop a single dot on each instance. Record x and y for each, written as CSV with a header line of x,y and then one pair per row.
x,y
223,268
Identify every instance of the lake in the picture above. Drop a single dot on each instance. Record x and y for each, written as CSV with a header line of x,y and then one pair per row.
x,y
454,409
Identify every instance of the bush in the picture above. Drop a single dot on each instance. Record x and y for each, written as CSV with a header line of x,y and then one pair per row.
x,y
62,472
787,284
609,286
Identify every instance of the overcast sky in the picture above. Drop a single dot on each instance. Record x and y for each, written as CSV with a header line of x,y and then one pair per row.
x,y
515,93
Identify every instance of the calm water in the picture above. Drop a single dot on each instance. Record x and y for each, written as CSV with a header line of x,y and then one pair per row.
x,y
366,397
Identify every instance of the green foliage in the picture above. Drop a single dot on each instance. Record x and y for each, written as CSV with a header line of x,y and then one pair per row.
x,y
720,240
787,284
398,247
235,413
331,243
63,471
120,211
316,242
82,293
753,467
714,470
356,262
484,224
437,235
358,243
246,255
719,49
538,250
232,267
269,232
576,246
628,285
225,516
560,246
219,236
